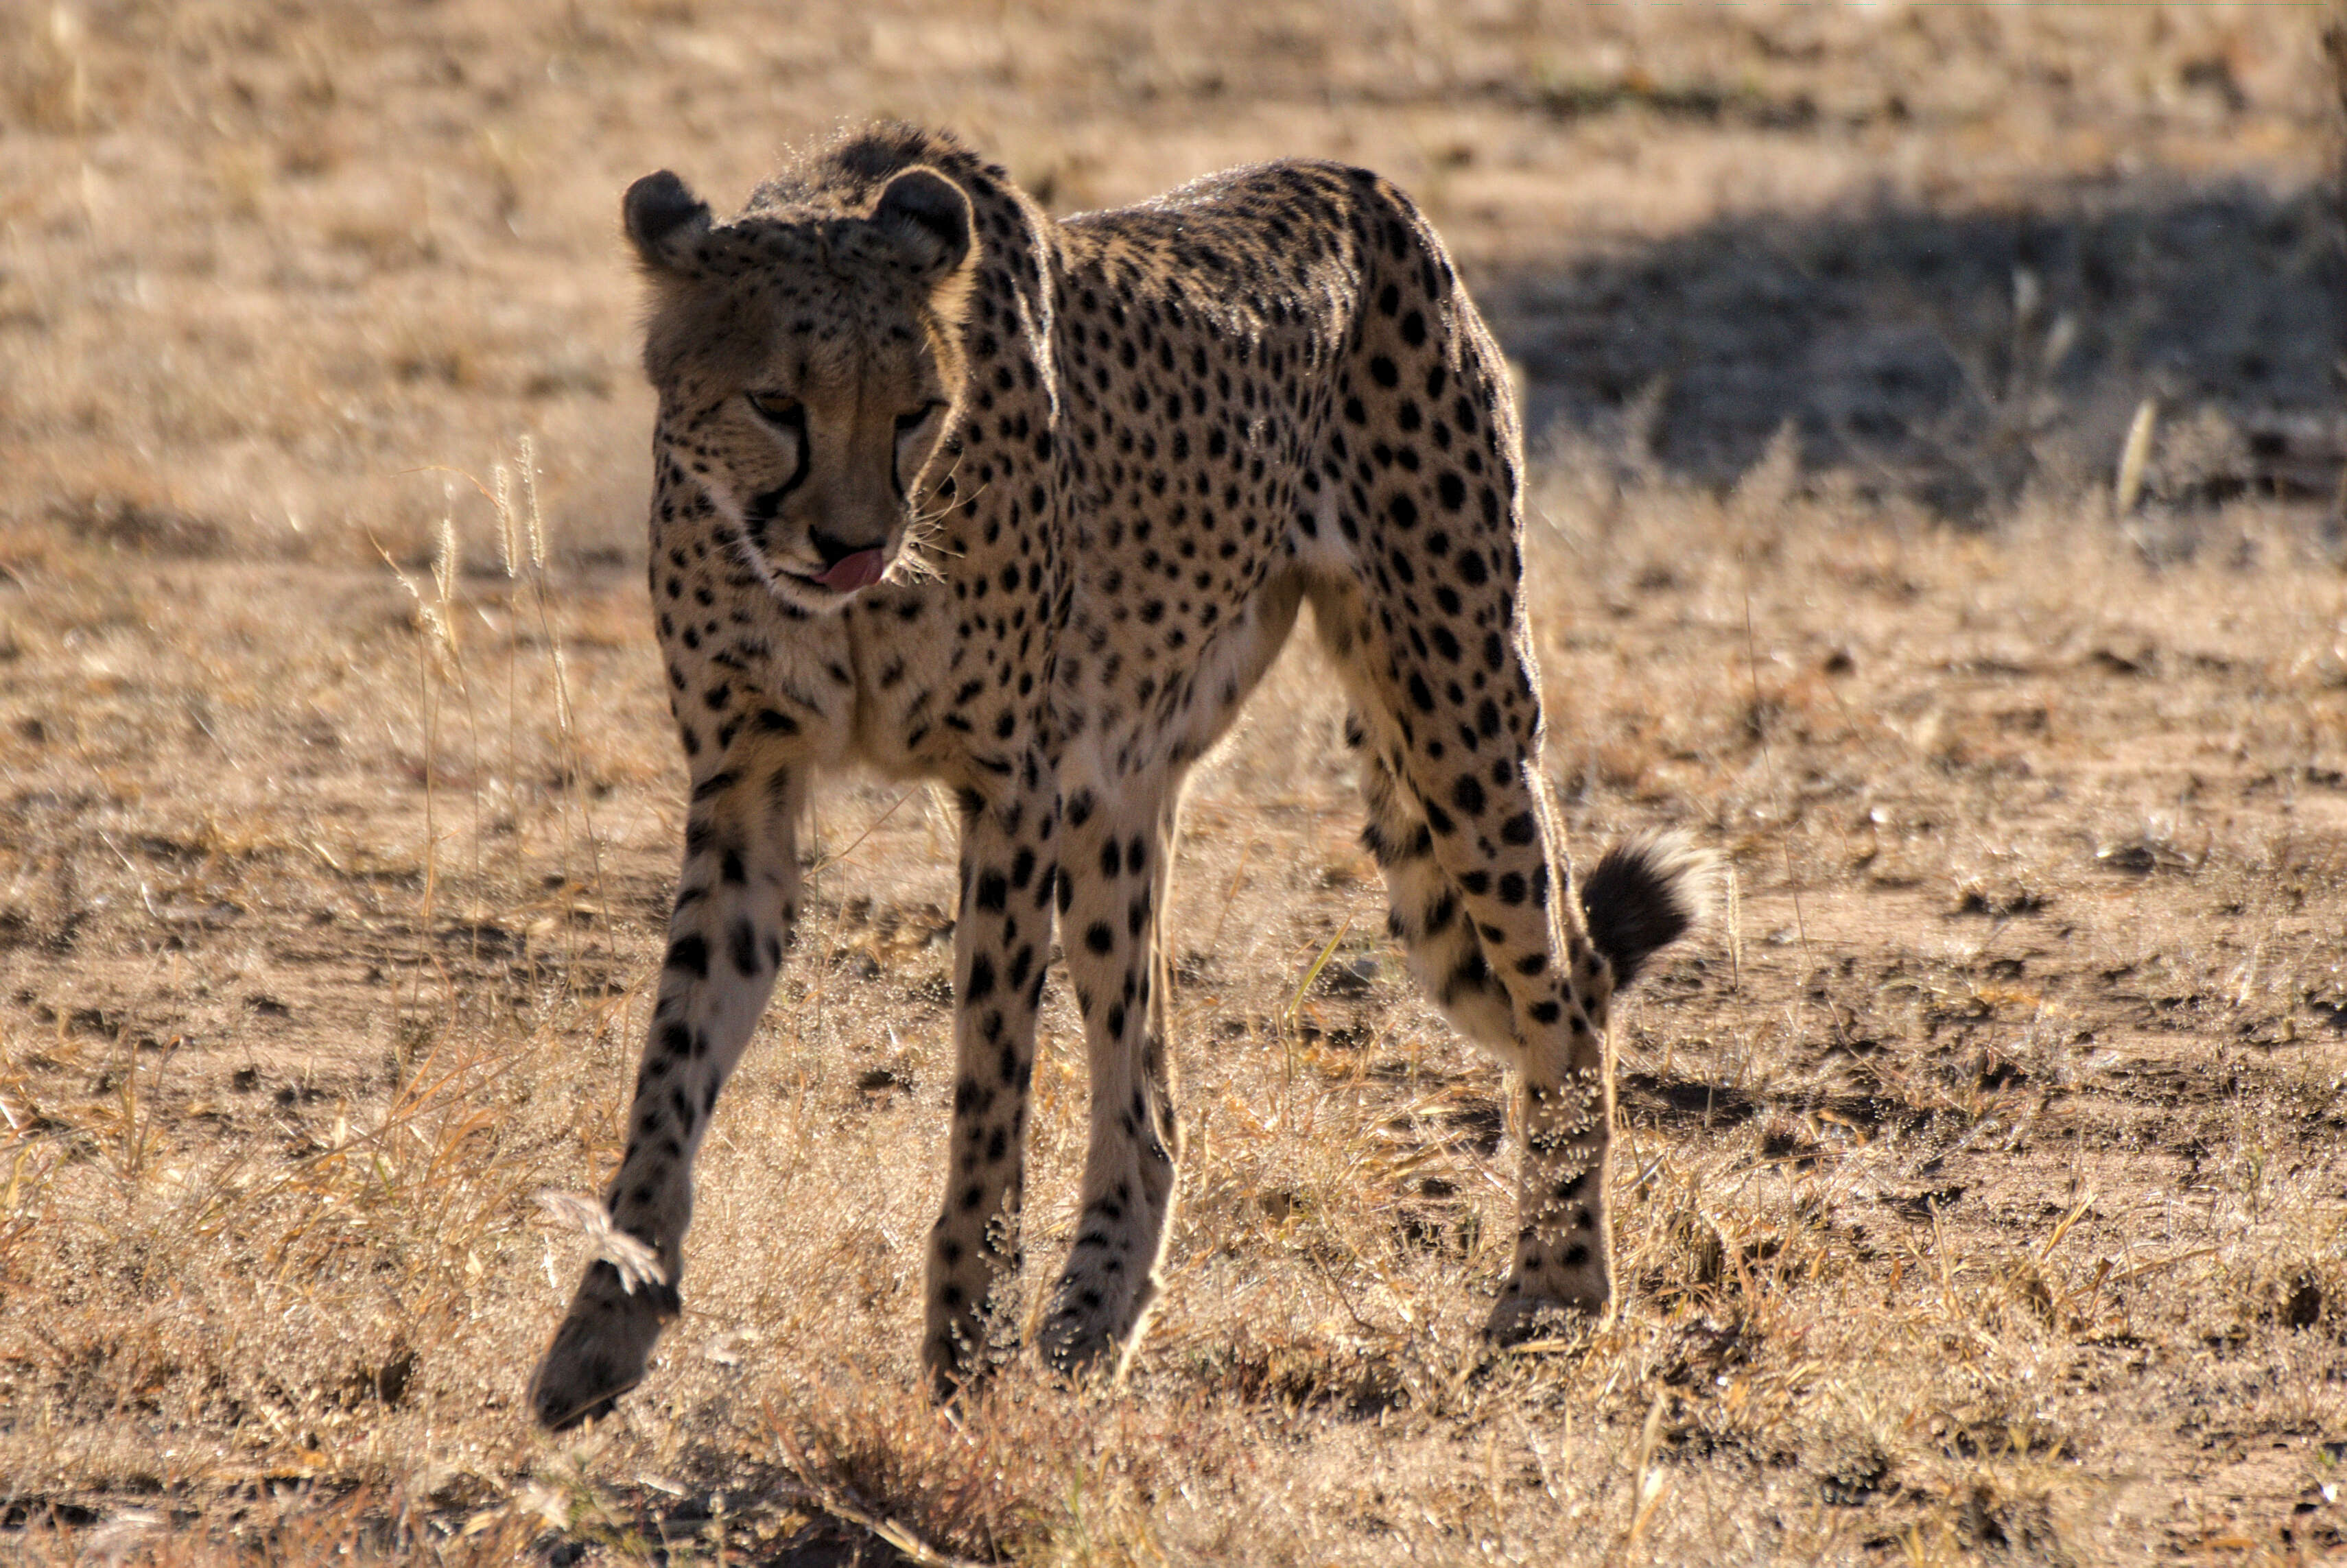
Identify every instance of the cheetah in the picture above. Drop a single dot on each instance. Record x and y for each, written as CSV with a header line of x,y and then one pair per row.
x,y
955,491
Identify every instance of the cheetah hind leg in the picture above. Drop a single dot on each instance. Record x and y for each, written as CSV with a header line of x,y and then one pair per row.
x,y
1424,911
1429,915
1645,893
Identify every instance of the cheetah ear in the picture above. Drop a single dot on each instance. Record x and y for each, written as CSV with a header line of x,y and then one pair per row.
x,y
664,218
926,214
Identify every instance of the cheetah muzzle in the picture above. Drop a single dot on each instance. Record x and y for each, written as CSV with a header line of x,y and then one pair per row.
x,y
953,490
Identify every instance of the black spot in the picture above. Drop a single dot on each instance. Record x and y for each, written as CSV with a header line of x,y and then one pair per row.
x,y
981,980
745,945
1470,974
1098,937
690,954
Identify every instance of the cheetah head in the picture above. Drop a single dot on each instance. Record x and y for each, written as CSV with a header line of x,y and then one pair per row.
x,y
808,367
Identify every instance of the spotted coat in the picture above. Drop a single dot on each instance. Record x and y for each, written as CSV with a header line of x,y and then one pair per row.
x,y
1104,461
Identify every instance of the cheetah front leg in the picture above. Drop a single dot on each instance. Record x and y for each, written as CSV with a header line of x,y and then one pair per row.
x,y
1002,944
735,905
1117,854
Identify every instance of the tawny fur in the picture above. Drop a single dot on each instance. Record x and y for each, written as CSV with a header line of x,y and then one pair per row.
x,y
1104,461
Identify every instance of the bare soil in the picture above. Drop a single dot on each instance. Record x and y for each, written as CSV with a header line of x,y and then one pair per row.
x,y
1983,1173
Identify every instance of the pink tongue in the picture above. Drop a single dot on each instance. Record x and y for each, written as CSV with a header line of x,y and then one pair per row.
x,y
861,569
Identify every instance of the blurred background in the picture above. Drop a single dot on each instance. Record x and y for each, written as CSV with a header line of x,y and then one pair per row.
x,y
260,263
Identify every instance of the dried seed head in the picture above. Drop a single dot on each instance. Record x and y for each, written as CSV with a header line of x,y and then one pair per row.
x,y
527,448
508,544
444,559
636,1263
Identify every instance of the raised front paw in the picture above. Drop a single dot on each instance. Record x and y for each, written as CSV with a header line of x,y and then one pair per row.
x,y
601,1349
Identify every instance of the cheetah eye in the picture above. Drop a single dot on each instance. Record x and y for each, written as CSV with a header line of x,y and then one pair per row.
x,y
779,408
908,423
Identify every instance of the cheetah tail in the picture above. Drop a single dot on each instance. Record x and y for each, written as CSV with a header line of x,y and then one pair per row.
x,y
1647,892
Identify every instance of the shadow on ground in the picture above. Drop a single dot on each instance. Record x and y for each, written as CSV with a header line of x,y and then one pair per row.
x,y
1954,357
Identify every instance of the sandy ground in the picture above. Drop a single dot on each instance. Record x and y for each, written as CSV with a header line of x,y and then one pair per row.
x,y
1983,1168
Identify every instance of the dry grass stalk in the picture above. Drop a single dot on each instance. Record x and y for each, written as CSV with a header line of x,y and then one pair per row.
x,y
2135,457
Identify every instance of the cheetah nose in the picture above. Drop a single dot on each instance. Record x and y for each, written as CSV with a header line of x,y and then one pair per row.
x,y
861,569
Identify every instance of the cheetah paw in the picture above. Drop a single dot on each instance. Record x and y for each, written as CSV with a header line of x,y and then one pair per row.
x,y
1087,1339
601,1349
1078,1349
1519,1319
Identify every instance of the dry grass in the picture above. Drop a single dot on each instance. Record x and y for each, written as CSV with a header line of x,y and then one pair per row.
x,y
1981,1177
